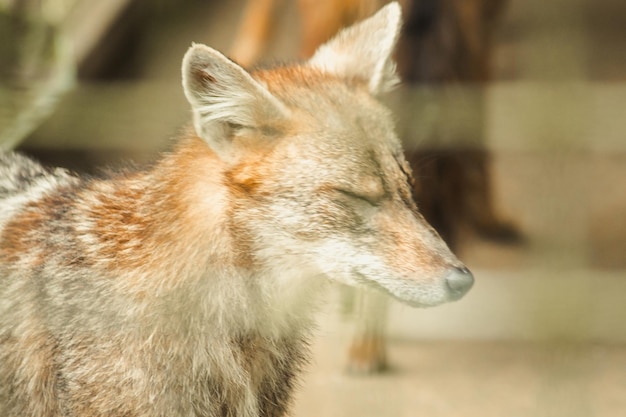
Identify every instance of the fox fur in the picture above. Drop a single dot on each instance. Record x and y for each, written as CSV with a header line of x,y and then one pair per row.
x,y
189,288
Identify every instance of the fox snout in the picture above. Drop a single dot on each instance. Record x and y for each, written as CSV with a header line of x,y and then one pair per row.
x,y
426,290
436,275
450,285
410,261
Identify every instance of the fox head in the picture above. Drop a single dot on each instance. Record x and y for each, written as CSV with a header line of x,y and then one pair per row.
x,y
316,178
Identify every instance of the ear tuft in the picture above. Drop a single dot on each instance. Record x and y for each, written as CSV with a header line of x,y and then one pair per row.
x,y
364,50
222,94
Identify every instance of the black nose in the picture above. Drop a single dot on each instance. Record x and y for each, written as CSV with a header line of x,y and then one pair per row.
x,y
459,281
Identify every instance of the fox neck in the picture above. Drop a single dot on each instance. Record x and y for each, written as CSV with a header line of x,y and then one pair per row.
x,y
192,254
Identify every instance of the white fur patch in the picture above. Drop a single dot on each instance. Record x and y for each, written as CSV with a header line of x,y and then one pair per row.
x,y
23,181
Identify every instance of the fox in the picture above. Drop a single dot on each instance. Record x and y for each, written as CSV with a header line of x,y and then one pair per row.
x,y
189,287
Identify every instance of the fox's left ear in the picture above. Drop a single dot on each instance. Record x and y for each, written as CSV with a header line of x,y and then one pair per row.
x,y
363,51
223,95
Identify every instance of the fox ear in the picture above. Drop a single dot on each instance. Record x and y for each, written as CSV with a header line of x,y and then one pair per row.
x,y
223,95
363,51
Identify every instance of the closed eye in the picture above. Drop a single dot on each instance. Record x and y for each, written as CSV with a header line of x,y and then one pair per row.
x,y
369,198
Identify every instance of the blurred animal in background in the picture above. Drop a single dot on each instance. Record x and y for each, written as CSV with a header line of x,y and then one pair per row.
x,y
444,45
319,21
189,288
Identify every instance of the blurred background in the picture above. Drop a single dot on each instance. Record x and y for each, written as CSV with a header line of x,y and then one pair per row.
x,y
513,117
